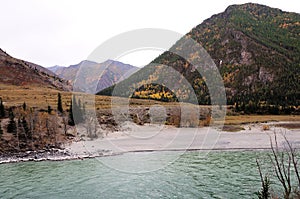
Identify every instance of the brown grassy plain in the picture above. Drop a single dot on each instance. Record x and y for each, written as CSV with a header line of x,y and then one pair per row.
x,y
42,97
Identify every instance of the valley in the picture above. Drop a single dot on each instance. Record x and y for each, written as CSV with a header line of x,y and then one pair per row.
x,y
216,115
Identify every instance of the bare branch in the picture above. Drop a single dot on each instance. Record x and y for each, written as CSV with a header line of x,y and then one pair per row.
x,y
294,160
260,174
278,168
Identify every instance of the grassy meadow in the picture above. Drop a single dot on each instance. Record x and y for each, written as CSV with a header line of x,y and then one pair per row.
x,y
38,97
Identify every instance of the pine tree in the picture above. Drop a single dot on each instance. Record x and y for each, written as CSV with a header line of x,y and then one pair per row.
x,y
12,126
71,118
24,106
26,128
59,103
21,134
2,110
1,131
49,109
20,130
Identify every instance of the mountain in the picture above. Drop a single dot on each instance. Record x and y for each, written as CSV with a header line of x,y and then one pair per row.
x,y
256,49
69,73
98,76
22,73
55,68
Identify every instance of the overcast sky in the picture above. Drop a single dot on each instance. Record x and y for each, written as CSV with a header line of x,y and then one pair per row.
x,y
61,32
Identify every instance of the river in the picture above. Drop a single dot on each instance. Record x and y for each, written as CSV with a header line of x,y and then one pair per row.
x,y
218,174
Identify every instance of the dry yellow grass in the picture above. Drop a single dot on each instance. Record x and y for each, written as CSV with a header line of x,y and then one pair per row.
x,y
32,96
244,119
42,97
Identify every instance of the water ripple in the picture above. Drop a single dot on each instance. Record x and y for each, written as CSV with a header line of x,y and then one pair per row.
x,y
216,175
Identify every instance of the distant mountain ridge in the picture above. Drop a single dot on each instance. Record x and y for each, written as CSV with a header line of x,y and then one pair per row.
x,y
255,47
18,72
110,72
55,68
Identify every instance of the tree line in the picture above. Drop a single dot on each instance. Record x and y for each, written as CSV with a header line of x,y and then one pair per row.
x,y
30,128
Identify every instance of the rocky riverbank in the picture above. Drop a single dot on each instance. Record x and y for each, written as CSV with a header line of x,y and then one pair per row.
x,y
49,155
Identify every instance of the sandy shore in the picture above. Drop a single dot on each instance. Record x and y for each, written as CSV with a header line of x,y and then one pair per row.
x,y
166,138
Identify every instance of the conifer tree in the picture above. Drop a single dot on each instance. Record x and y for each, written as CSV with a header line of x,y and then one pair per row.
x,y
59,103
25,128
49,109
24,106
1,131
12,126
71,118
2,110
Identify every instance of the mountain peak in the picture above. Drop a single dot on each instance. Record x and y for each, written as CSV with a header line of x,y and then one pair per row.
x,y
95,76
247,6
255,47
252,7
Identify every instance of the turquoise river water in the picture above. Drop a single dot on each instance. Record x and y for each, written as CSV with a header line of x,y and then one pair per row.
x,y
193,175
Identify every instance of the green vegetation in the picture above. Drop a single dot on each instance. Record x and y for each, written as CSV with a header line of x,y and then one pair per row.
x,y
2,111
257,51
1,131
24,106
31,129
265,190
259,48
30,126
12,126
272,27
71,121
59,103
25,131
49,109
264,193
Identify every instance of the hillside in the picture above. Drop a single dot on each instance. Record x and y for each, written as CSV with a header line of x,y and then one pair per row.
x,y
108,73
22,73
257,51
